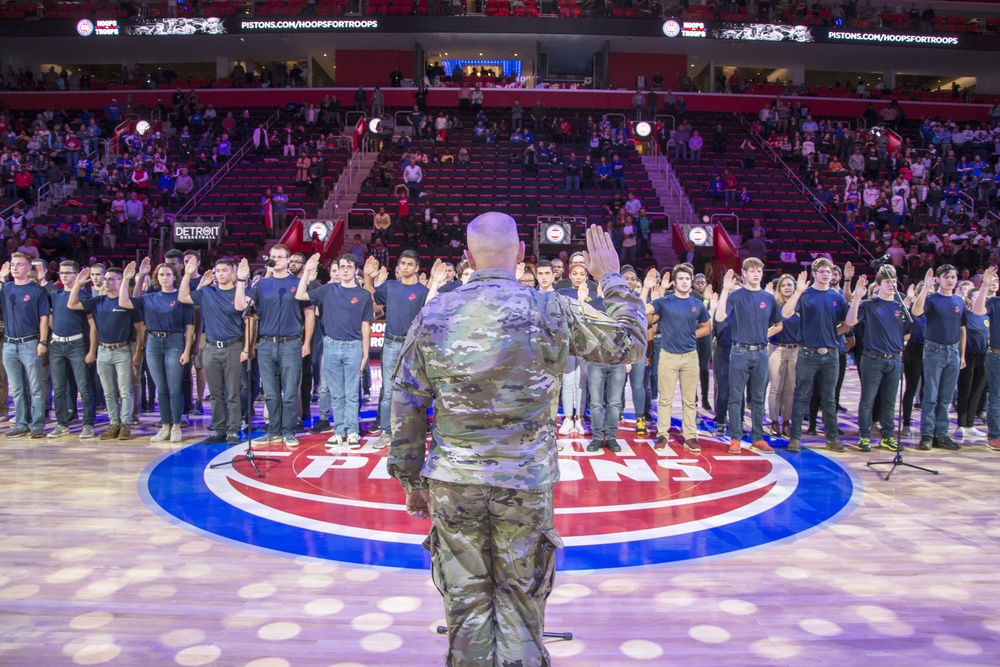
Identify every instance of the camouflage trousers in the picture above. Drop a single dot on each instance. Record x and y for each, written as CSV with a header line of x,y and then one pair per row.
x,y
493,560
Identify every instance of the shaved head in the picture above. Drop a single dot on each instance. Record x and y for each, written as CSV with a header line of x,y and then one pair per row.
x,y
493,242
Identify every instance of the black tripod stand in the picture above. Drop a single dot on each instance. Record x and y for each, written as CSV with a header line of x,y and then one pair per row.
x,y
249,456
897,460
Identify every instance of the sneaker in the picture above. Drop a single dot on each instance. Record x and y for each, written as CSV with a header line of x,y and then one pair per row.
x,y
692,446
595,445
775,429
17,432
335,441
353,440
86,432
640,426
175,434
612,445
321,426
720,433
906,432
111,433
125,432
184,421
959,432
36,435
132,421
566,428
890,444
762,447
232,439
735,449
811,431
382,442
5,418
993,445
865,444
375,431
973,432
926,443
161,435
581,427
835,446
275,439
793,445
218,436
661,442
290,441
59,431
946,443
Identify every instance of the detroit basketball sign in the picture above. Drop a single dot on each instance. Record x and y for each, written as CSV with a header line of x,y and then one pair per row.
x,y
637,507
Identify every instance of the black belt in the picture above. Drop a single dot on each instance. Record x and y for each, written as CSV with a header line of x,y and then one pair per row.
x,y
18,341
222,343
115,346
398,339
821,350
789,346
163,334
879,355
281,339
751,348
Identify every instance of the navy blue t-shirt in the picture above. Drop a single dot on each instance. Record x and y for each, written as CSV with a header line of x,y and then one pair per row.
x,y
944,318
162,311
993,312
280,314
66,322
23,308
342,310
114,323
820,312
977,332
723,335
592,299
402,303
791,331
218,313
884,325
750,314
449,287
678,320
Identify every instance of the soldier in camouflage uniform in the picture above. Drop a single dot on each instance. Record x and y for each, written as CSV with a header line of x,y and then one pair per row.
x,y
490,355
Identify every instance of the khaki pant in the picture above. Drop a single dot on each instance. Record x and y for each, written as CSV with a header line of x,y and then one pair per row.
x,y
781,366
493,561
671,367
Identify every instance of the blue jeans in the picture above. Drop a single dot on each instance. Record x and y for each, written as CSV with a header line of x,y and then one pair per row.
x,y
115,369
747,369
573,182
993,402
65,358
722,356
810,365
390,354
281,373
637,382
604,385
23,358
941,367
879,377
342,372
163,356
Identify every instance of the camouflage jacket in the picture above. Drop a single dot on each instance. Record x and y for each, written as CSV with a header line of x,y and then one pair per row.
x,y
490,355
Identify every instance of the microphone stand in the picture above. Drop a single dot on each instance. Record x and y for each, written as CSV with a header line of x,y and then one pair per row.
x,y
897,460
249,456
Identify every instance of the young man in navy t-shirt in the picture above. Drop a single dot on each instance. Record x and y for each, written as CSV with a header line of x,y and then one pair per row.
x,y
26,311
753,317
683,319
346,314
822,312
944,354
72,349
226,342
991,308
402,299
881,366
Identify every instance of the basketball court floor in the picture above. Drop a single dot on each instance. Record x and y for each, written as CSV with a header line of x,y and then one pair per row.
x,y
132,553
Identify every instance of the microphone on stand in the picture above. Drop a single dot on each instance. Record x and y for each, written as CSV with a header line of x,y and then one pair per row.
x,y
879,262
270,262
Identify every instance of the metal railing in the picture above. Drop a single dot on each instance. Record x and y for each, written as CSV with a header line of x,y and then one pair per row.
x,y
807,192
713,219
20,202
673,121
675,191
352,172
369,214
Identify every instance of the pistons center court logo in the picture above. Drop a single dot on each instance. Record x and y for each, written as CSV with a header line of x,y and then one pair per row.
x,y
640,506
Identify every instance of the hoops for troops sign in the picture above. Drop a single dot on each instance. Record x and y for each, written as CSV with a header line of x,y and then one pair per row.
x,y
637,507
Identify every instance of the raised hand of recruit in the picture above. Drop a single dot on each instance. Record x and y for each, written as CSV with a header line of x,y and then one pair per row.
x,y
666,283
243,270
728,281
145,267
989,277
84,276
313,263
862,287
848,271
128,273
930,280
600,257
651,280
5,271
371,267
802,284
190,266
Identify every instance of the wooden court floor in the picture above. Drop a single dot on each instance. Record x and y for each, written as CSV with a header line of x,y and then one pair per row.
x,y
90,574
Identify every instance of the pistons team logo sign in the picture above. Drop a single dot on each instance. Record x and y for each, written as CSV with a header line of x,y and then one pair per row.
x,y
636,507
